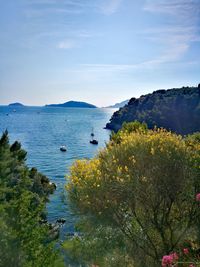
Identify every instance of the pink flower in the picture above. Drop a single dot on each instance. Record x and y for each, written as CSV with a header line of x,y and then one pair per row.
x,y
174,256
191,265
186,251
168,260
198,197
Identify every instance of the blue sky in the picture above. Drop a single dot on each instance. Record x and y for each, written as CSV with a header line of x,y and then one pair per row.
x,y
98,51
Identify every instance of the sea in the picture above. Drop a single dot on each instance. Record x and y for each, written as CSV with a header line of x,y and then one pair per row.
x,y
41,131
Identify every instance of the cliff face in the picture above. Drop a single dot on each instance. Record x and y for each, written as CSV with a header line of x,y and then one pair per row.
x,y
177,110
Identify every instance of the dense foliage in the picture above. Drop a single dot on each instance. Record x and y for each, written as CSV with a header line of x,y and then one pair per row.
x,y
177,110
24,239
137,198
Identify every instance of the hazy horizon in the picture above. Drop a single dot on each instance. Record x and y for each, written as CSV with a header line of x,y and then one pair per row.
x,y
78,100
25,104
100,52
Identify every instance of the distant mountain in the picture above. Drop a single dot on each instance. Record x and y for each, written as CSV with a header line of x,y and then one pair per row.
x,y
176,109
73,104
16,105
119,105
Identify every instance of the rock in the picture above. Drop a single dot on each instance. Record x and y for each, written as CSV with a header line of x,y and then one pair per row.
x,y
43,221
61,220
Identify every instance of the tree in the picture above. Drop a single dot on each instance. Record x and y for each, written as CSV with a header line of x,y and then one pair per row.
x,y
144,185
23,195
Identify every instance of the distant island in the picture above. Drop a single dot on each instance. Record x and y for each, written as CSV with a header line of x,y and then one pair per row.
x,y
16,105
72,104
119,105
176,109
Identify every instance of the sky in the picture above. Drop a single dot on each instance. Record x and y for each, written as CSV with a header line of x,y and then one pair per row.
x,y
98,51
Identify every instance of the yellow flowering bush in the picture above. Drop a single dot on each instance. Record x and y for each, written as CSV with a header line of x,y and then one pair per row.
x,y
143,184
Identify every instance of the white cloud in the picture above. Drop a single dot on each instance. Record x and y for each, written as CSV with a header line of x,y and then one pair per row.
x,y
174,7
34,12
66,44
38,8
181,29
41,8
111,6
77,37
85,34
182,12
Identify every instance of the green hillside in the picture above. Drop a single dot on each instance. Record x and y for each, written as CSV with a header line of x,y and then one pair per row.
x,y
175,109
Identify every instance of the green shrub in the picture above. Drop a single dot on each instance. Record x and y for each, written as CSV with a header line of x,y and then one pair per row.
x,y
144,186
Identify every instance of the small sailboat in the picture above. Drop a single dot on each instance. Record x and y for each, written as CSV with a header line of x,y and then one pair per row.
x,y
63,148
92,133
93,141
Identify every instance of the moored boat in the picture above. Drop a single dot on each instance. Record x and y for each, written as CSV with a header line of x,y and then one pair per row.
x,y
94,142
92,133
63,148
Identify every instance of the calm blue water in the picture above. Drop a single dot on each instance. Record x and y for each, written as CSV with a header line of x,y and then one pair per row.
x,y
42,131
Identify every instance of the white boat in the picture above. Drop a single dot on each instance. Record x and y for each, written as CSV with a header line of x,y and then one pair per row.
x,y
63,148
94,142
